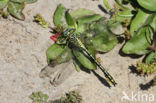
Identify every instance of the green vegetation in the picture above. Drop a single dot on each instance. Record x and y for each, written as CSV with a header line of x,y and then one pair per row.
x,y
138,19
89,27
39,97
14,8
71,97
146,68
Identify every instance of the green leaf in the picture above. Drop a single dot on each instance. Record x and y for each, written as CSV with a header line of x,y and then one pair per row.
x,y
81,12
138,21
30,1
81,28
138,44
64,57
91,51
126,13
83,59
148,4
15,9
89,19
107,5
104,42
149,34
59,14
99,26
113,23
69,20
153,23
31,96
77,65
127,1
121,5
46,97
17,1
151,57
3,3
120,18
54,52
149,19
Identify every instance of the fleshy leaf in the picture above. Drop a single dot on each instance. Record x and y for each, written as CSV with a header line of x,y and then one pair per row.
x,y
120,18
127,1
3,3
126,13
151,57
83,59
17,1
138,21
81,28
149,19
104,42
91,51
138,44
97,27
54,52
69,20
149,34
121,5
89,19
148,4
113,23
81,12
64,57
15,9
30,1
41,21
153,23
59,14
107,5
77,65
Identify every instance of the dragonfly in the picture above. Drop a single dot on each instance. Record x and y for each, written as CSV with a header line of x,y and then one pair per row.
x,y
68,37
71,37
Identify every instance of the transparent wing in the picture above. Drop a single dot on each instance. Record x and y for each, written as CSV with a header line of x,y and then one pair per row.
x,y
59,73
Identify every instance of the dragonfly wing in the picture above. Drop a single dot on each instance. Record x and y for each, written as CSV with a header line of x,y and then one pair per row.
x,y
59,73
63,74
48,71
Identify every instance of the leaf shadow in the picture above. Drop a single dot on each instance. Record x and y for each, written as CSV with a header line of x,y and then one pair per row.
x,y
101,79
146,86
120,39
134,70
142,86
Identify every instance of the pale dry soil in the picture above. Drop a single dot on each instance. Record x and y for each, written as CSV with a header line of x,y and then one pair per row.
x,y
22,56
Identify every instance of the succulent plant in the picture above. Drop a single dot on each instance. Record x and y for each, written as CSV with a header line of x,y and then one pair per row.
x,y
146,68
90,28
71,97
138,19
14,7
39,19
39,97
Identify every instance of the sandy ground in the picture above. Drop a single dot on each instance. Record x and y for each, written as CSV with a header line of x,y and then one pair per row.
x,y
22,56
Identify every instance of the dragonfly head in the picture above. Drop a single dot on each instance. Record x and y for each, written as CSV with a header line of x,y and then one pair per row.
x,y
68,31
